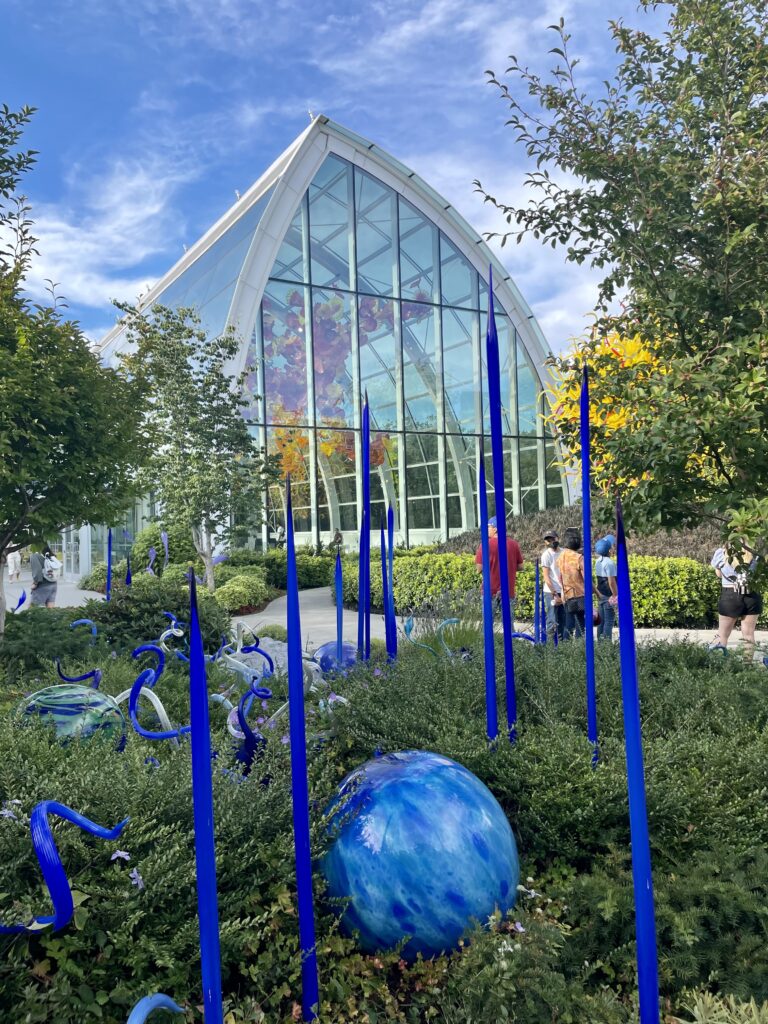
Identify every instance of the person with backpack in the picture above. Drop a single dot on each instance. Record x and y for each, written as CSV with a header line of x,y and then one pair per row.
x,y
45,570
738,598
605,574
553,590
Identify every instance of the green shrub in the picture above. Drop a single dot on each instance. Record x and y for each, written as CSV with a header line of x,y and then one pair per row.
x,y
36,637
134,615
242,594
224,572
96,579
181,547
313,570
666,592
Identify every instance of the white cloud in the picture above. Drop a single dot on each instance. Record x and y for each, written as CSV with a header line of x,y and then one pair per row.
x,y
93,241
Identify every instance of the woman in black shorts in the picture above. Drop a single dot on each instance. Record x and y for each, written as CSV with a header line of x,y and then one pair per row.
x,y
737,598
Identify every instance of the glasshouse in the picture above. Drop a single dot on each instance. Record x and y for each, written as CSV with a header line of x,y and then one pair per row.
x,y
345,274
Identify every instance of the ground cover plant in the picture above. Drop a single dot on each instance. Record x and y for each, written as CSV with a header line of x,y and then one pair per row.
x,y
704,723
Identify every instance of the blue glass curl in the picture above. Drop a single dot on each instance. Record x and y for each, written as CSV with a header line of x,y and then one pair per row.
x,y
20,602
147,1006
51,866
86,622
95,674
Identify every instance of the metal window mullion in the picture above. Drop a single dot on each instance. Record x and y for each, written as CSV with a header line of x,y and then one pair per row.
x,y
398,320
517,502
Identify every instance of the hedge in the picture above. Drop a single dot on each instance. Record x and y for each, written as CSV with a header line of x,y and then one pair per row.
x,y
244,593
666,592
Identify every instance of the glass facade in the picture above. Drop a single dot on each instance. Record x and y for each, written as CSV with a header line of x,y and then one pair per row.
x,y
368,296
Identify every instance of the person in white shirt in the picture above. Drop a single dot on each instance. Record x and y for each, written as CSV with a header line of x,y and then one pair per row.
x,y
14,566
553,589
738,598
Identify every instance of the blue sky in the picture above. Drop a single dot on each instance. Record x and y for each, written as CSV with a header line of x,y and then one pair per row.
x,y
153,112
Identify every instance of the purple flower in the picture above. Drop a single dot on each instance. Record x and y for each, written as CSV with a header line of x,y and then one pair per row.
x,y
519,928
271,724
284,739
120,855
264,705
136,879
377,671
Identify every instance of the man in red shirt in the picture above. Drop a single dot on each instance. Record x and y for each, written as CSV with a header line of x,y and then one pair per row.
x,y
514,561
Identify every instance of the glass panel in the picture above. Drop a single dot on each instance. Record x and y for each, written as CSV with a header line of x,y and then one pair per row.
x,y
460,340
336,470
458,280
285,353
483,303
212,277
376,211
422,481
384,481
554,476
379,358
529,475
527,395
461,483
508,447
504,331
290,264
291,446
330,224
251,387
332,345
420,381
418,254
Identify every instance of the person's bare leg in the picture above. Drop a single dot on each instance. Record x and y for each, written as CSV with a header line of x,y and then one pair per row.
x,y
748,625
725,628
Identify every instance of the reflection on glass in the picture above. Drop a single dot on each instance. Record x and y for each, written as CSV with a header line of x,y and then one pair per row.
x,y
291,447
290,264
379,358
461,482
330,224
384,481
332,345
460,354
284,309
420,381
422,481
418,255
529,475
457,276
208,284
376,211
336,470
527,396
554,476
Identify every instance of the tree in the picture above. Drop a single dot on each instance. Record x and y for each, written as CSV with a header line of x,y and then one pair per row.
x,y
71,431
671,200
208,472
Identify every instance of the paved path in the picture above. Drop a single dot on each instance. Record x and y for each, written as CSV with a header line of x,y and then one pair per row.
x,y
68,595
318,623
318,616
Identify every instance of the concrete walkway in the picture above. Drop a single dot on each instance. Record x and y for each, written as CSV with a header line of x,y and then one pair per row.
x,y
318,623
68,595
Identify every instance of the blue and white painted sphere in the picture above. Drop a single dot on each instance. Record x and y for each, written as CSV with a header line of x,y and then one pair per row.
x,y
77,712
423,850
327,656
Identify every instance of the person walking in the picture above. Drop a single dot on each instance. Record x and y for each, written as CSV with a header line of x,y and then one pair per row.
x,y
605,576
553,587
738,598
14,566
45,569
514,561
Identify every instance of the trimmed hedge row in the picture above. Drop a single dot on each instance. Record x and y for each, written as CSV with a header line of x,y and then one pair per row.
x,y
667,592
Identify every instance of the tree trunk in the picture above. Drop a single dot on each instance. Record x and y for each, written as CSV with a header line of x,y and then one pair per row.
x,y
2,593
204,547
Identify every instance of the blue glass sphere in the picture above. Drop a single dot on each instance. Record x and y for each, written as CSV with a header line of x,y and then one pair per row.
x,y
327,656
423,850
77,712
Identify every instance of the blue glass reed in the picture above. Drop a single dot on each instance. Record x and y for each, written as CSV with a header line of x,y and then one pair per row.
x,y
109,563
391,554
497,458
128,576
537,604
202,800
642,878
489,648
339,586
366,451
586,511
299,785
